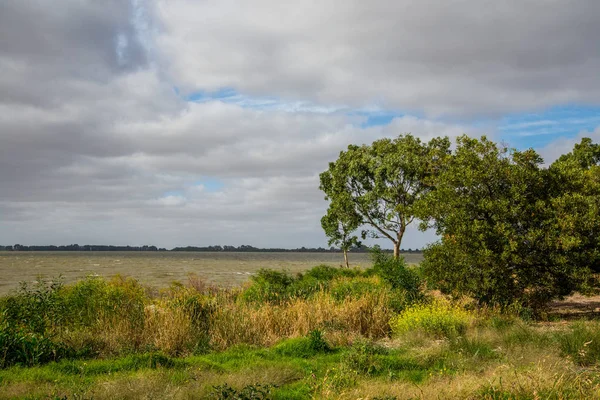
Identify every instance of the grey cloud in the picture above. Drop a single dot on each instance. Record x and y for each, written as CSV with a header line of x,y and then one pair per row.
x,y
94,138
461,57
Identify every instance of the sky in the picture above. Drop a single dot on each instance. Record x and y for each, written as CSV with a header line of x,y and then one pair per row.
x,y
200,122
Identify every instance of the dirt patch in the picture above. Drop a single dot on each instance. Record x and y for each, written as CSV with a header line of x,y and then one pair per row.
x,y
576,306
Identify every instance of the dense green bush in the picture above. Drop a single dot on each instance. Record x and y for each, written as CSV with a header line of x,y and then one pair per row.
x,y
34,308
19,346
398,275
95,298
511,229
32,319
275,287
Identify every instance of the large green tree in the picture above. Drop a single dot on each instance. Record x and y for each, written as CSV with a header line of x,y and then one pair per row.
x,y
377,187
510,232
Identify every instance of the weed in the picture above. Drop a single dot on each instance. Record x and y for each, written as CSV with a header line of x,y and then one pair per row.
x,y
250,392
439,318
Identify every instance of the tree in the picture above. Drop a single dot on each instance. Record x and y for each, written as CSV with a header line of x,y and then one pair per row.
x,y
377,187
502,233
576,202
339,223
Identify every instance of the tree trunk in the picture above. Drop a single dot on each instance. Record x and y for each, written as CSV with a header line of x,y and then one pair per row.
x,y
397,243
346,258
396,250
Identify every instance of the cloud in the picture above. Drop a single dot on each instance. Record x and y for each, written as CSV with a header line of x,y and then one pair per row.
x,y
464,57
552,151
182,122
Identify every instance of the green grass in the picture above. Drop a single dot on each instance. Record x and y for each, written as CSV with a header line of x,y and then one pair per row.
x,y
300,368
315,338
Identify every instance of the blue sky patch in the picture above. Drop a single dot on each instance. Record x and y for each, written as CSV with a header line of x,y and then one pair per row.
x,y
539,129
210,184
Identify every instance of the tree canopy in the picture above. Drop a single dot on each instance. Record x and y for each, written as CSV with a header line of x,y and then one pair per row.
x,y
512,230
377,187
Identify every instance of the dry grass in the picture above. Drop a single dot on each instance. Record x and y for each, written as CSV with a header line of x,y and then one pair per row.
x,y
267,324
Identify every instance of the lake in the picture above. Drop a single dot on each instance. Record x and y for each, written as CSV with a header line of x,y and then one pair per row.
x,y
160,269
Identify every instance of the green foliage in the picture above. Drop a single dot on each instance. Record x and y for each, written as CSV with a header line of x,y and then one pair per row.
x,y
326,273
303,347
19,346
249,392
395,272
378,187
581,343
363,357
438,318
278,286
34,308
32,319
95,298
344,288
511,231
269,286
25,322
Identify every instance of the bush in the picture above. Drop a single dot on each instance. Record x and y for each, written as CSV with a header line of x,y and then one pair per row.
x,y
396,273
35,308
269,286
19,346
439,318
325,274
276,287
94,299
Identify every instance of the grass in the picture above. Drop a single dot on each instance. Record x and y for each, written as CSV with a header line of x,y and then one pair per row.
x,y
475,366
325,333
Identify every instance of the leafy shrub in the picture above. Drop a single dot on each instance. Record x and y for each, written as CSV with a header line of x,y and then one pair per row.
x,y
317,342
437,318
34,308
276,287
581,343
19,346
94,298
395,272
268,286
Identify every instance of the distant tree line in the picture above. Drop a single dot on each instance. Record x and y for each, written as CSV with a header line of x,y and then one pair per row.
x,y
76,247
215,248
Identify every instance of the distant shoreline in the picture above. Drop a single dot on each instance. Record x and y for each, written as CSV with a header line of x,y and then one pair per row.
x,y
83,249
337,251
